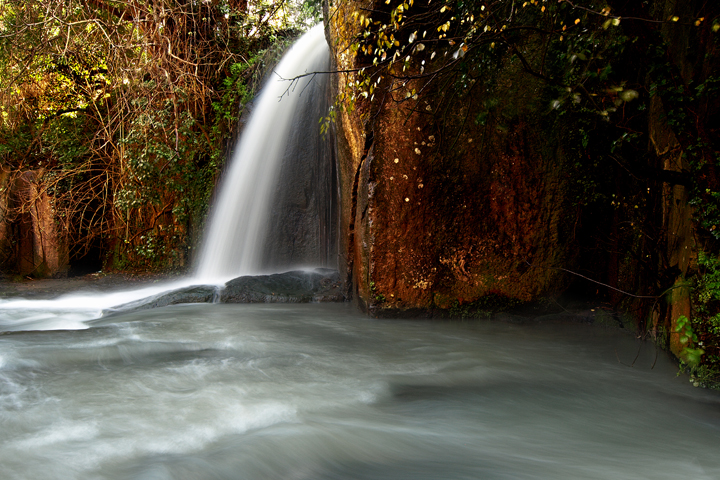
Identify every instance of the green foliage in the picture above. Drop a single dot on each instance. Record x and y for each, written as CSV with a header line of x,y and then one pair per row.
x,y
709,282
707,305
706,375
156,248
707,210
701,336
422,42
307,12
688,339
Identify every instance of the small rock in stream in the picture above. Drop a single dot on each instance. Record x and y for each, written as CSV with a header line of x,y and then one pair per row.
x,y
192,294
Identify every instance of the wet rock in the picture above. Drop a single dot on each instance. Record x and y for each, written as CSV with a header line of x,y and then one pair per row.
x,y
192,294
298,286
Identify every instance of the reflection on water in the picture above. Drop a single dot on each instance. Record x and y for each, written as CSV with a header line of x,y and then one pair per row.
x,y
322,392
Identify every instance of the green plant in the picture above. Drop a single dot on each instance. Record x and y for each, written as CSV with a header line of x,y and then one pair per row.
x,y
688,339
707,376
379,297
700,335
706,296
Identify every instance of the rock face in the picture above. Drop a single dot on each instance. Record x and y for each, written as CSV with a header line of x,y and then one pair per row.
x,y
697,61
438,210
298,286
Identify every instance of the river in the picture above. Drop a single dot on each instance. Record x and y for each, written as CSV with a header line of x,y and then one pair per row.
x,y
320,391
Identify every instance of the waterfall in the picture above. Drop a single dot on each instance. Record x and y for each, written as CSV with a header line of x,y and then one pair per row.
x,y
275,208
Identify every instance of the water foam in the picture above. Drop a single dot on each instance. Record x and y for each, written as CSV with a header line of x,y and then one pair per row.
x,y
71,312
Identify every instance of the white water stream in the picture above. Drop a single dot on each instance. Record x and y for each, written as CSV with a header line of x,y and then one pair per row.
x,y
239,223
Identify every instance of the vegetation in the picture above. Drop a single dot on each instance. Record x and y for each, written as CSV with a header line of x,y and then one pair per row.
x,y
124,109
702,351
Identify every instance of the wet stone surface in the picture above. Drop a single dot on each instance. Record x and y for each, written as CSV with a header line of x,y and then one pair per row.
x,y
298,286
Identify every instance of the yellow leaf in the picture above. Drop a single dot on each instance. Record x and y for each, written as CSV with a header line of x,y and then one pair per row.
x,y
629,95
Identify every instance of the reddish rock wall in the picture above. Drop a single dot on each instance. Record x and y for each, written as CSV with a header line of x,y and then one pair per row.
x,y
31,235
436,219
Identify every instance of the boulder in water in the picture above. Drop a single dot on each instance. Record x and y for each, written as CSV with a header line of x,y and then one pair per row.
x,y
192,294
298,286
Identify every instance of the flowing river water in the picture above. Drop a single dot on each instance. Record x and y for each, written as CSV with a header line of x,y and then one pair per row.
x,y
320,391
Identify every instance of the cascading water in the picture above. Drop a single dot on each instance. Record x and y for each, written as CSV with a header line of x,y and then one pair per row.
x,y
258,223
